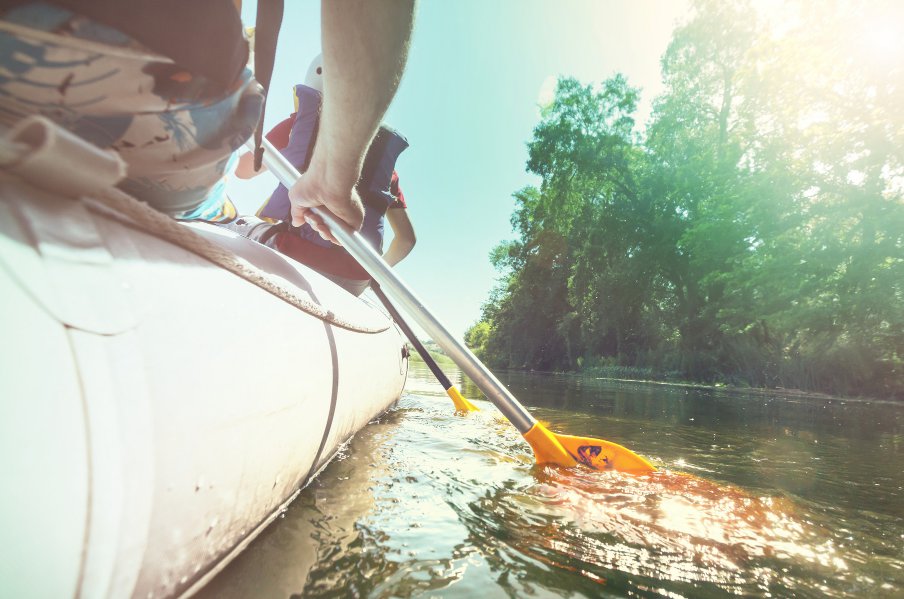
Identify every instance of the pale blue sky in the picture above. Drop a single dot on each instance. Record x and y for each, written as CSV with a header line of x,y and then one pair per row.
x,y
468,105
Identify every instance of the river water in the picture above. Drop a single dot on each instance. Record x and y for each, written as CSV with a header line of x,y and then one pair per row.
x,y
757,495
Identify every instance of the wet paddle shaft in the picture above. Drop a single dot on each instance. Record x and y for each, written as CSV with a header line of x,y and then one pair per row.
x,y
565,450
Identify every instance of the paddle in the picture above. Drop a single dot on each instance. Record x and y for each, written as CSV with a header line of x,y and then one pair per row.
x,y
549,447
461,403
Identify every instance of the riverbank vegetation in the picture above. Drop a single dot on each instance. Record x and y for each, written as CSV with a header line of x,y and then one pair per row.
x,y
752,234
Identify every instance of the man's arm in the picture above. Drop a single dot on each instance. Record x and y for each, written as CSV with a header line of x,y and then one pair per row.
x,y
403,237
365,47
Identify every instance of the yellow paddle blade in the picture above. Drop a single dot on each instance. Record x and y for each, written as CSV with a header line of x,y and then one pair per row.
x,y
568,451
461,403
605,455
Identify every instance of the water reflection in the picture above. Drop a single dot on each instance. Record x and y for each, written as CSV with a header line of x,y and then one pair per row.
x,y
758,495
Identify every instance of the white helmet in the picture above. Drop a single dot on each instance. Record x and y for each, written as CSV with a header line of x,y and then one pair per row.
x,y
314,77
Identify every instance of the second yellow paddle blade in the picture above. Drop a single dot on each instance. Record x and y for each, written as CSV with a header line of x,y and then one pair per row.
x,y
568,450
460,401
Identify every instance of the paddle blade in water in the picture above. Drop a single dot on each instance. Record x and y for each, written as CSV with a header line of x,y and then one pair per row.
x,y
568,451
461,403
604,455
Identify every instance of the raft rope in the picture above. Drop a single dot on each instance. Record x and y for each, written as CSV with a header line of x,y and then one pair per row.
x,y
113,203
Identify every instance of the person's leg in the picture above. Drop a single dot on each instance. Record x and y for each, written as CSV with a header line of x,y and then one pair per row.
x,y
354,286
176,131
268,234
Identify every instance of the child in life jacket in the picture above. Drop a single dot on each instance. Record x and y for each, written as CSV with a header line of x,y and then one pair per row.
x,y
378,188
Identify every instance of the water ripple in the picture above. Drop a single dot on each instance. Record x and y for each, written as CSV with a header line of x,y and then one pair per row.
x,y
427,503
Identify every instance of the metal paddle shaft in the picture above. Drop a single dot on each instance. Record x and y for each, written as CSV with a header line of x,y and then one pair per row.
x,y
381,272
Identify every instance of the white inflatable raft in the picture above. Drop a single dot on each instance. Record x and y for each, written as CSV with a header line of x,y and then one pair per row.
x,y
157,410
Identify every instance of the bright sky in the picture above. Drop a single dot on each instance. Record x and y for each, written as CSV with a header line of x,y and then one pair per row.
x,y
468,105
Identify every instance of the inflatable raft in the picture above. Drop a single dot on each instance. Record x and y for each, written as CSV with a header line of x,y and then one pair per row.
x,y
167,389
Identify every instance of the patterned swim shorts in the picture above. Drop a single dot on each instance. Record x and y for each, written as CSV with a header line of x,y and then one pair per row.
x,y
177,132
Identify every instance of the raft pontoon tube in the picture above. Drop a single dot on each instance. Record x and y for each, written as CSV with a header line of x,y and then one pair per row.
x,y
166,388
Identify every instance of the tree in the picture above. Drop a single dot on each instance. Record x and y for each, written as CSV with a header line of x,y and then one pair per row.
x,y
755,234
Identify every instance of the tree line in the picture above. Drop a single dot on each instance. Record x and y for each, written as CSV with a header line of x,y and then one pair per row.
x,y
752,234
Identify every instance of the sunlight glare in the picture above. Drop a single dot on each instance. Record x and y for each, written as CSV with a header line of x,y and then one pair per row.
x,y
547,92
884,39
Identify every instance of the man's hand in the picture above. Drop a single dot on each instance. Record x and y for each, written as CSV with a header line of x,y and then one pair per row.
x,y
312,190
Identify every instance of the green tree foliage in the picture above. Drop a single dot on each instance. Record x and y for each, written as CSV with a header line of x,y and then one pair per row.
x,y
477,337
754,234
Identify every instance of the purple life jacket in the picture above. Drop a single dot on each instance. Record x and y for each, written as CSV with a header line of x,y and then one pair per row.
x,y
376,174
302,137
